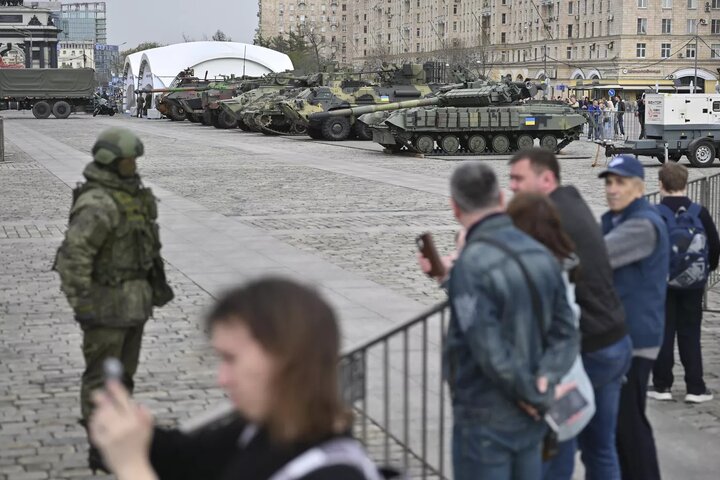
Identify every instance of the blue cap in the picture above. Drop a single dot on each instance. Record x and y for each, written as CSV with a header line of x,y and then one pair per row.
x,y
624,166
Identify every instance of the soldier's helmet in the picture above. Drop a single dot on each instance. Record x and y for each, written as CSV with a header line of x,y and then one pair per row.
x,y
116,143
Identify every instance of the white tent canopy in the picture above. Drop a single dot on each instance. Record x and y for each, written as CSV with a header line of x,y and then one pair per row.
x,y
158,67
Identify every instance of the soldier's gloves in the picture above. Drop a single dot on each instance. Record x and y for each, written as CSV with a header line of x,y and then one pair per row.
x,y
84,311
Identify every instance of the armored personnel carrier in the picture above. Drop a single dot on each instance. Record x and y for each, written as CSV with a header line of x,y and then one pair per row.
x,y
478,118
404,82
169,104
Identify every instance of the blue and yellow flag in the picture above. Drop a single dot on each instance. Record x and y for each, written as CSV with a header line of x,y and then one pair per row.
x,y
529,121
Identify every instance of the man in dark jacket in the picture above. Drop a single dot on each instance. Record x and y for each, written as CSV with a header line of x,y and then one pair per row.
x,y
683,307
511,335
606,347
638,247
641,114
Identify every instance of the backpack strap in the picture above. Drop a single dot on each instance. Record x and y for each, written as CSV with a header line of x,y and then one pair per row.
x,y
695,209
667,214
335,452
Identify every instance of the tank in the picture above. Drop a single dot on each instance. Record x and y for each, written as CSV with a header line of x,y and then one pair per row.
x,y
195,106
401,83
169,103
265,116
477,118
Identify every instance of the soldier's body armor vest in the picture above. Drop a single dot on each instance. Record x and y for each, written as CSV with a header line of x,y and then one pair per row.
x,y
129,250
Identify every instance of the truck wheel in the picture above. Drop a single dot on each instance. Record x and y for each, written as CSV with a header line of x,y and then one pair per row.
x,y
336,129
314,133
362,131
41,110
226,121
702,153
61,109
177,114
206,118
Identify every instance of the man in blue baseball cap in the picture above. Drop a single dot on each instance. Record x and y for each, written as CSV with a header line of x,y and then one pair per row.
x,y
637,243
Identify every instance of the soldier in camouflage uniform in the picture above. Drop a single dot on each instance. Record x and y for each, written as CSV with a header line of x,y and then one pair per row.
x,y
109,264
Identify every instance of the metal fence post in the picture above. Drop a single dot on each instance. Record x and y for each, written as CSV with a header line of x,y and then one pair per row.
x,y
2,139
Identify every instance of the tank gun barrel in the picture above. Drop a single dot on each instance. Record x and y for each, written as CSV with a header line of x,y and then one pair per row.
x,y
171,90
346,112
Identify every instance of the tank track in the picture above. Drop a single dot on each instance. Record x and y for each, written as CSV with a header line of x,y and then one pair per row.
x,y
406,145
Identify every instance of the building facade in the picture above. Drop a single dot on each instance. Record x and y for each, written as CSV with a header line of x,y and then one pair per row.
x,y
87,22
28,36
574,43
76,54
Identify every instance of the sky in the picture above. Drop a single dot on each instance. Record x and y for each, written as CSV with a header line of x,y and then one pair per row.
x,y
165,21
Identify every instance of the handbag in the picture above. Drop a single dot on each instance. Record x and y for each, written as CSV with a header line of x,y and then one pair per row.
x,y
574,425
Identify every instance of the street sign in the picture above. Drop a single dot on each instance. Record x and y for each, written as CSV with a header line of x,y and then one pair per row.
x,y
561,87
611,92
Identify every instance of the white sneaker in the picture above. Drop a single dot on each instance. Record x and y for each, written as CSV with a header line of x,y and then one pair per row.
x,y
703,397
662,395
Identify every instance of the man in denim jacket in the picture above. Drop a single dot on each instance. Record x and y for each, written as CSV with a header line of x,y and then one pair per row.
x,y
501,368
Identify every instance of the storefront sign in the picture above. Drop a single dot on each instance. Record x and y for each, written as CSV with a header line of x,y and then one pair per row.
x,y
646,70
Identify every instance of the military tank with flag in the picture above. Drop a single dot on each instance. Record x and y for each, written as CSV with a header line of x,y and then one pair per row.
x,y
474,118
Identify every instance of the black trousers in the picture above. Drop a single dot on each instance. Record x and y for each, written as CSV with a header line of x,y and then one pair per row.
x,y
635,441
683,316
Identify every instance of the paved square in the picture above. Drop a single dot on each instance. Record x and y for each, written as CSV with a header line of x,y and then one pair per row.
x,y
234,206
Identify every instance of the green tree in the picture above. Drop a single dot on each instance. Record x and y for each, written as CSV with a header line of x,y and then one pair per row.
x,y
220,36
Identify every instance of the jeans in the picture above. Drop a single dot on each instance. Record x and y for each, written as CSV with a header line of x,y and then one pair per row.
x,y
635,441
606,368
483,453
683,315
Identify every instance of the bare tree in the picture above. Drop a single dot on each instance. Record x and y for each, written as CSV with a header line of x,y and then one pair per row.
x,y
187,38
220,36
315,42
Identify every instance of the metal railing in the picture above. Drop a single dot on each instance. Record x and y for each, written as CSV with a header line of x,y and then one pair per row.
x,y
396,388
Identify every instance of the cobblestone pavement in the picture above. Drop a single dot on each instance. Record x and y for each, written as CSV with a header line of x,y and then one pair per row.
x,y
345,204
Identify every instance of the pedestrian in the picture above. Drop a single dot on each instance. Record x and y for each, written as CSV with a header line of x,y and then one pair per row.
x,y
148,103
638,248
140,105
510,339
641,114
693,235
620,113
605,346
595,117
109,263
278,347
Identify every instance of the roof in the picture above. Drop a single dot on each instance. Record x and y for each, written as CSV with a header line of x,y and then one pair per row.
x,y
166,62
133,61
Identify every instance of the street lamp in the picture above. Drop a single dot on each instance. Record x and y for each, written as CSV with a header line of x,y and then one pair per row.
x,y
27,33
699,21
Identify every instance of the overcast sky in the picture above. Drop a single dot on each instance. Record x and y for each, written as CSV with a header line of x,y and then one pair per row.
x,y
165,21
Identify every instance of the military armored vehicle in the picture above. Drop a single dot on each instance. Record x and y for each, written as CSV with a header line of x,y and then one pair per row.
x,y
195,105
480,117
169,104
404,82
264,115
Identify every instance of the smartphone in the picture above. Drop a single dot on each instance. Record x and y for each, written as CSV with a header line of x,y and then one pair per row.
x,y
426,246
565,408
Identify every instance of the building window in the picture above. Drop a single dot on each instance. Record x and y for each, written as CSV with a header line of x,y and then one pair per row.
x,y
692,4
691,26
11,19
365,29
716,4
715,27
666,3
569,53
642,26
666,24
503,18
715,50
690,51
455,9
664,50
642,3
417,47
570,8
570,31
640,50
502,37
417,32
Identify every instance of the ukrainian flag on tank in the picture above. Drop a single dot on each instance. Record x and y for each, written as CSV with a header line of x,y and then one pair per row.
x,y
384,98
529,121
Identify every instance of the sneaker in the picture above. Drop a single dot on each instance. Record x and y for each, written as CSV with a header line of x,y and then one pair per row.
x,y
703,397
659,394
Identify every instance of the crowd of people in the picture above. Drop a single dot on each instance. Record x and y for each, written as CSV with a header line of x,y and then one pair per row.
x,y
542,298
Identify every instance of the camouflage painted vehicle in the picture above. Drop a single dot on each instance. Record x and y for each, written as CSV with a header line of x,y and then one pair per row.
x,y
404,82
169,104
195,106
212,113
480,118
265,116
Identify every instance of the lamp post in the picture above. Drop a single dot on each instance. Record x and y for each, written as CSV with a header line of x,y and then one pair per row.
x,y
27,33
698,22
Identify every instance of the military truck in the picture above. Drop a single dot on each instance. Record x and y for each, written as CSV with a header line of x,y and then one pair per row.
x,y
404,82
676,125
481,117
47,91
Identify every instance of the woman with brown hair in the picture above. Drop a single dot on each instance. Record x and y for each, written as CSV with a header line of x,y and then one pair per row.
x,y
278,344
534,214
